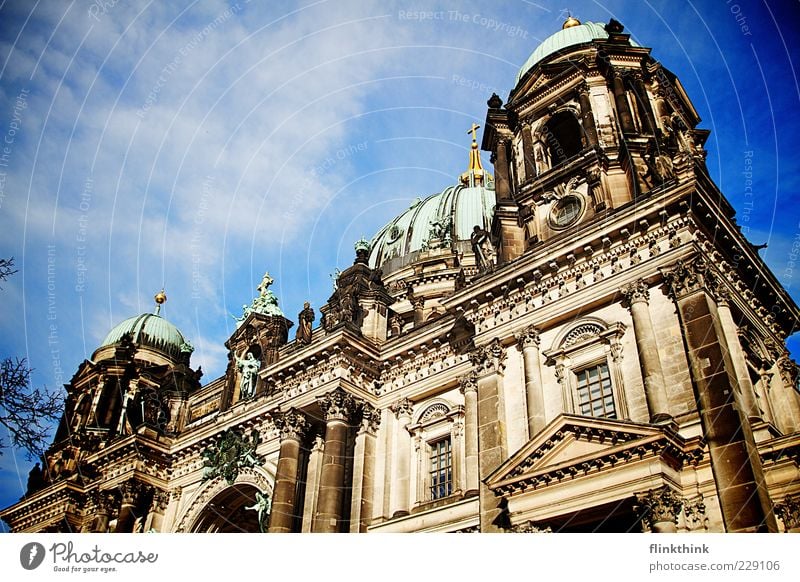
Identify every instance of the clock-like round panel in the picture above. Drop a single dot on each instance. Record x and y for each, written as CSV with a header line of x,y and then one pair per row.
x,y
566,211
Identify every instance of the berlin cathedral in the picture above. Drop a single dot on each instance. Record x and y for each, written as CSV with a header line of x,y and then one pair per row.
x,y
581,341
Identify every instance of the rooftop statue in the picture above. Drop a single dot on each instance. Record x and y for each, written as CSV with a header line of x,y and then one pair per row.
x,y
266,303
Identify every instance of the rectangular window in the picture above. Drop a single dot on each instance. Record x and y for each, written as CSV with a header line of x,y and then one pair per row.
x,y
595,395
441,469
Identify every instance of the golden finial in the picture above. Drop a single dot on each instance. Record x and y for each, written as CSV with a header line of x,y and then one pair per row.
x,y
570,22
474,175
160,298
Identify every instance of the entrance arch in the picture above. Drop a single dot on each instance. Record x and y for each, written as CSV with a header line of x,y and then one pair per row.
x,y
227,512
222,507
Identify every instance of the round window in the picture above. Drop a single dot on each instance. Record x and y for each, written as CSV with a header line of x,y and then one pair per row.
x,y
566,211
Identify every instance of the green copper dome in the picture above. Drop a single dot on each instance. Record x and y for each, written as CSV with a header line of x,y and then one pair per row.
x,y
572,36
150,330
441,221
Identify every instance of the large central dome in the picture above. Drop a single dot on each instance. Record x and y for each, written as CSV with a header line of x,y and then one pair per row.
x,y
442,220
150,330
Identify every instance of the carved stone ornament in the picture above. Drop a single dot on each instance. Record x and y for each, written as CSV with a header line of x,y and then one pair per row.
x,y
789,512
531,527
160,501
636,291
686,277
402,407
292,424
490,358
528,337
131,490
104,501
338,405
659,506
370,419
788,370
231,453
468,383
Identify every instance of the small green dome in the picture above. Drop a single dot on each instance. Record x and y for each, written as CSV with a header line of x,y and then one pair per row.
x,y
153,331
572,36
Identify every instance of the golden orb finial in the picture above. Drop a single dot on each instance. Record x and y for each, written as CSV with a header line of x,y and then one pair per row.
x,y
160,298
570,22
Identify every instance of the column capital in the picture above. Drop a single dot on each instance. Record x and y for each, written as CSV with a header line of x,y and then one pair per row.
x,y
160,500
131,490
402,407
338,405
489,359
583,88
687,276
292,423
788,370
659,506
789,511
528,337
468,382
370,419
635,292
104,501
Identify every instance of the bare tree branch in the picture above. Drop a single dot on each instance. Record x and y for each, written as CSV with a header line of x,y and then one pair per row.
x,y
6,268
25,412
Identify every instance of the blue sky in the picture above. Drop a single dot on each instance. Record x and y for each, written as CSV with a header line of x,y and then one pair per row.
x,y
194,145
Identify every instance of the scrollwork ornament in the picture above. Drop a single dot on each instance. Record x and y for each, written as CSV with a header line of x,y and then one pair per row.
x,y
636,292
338,405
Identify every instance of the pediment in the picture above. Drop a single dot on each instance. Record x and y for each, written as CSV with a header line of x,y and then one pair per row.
x,y
572,446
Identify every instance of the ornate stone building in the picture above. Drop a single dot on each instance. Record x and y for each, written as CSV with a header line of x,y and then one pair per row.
x,y
584,341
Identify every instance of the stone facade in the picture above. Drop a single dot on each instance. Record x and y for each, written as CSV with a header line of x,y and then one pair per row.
x,y
619,365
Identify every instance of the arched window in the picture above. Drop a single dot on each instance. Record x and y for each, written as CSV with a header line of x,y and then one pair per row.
x,y
564,137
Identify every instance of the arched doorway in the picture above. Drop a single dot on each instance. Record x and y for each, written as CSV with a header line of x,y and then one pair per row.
x,y
228,512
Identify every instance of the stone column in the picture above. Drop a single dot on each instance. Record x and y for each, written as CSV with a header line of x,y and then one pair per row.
x,y
643,102
730,332
528,341
293,426
735,463
527,152
312,483
155,517
637,297
587,116
489,364
104,503
502,183
131,491
624,116
784,398
418,303
789,512
400,501
364,470
660,509
337,407
469,388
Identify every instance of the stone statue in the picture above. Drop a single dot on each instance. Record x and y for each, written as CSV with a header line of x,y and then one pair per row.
x,y
263,287
485,256
249,367
305,320
262,506
35,479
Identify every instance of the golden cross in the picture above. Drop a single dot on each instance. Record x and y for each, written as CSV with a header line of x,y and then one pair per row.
x,y
473,131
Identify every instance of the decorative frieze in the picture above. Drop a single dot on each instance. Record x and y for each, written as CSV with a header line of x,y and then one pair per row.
x,y
531,527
